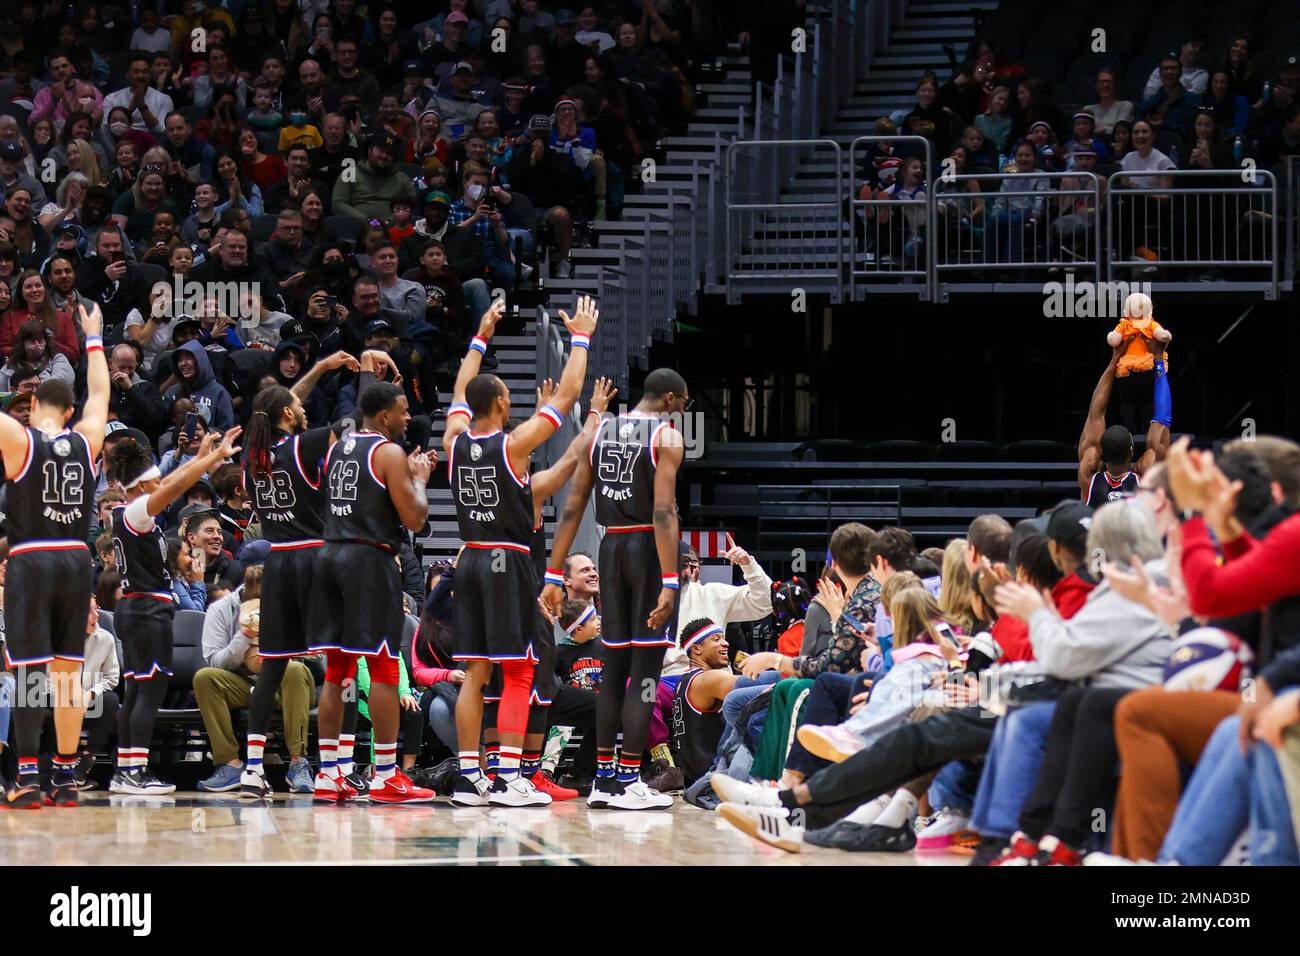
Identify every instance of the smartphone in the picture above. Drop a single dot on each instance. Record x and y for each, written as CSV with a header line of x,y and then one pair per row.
x,y
852,621
190,427
331,301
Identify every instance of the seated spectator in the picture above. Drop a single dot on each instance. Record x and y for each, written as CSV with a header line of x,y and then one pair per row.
x,y
444,299
477,215
233,190
195,381
1048,155
32,303
220,77
100,674
146,106
1208,148
293,188
1012,216
1121,140
257,166
200,530
33,353
346,78
1281,140
1084,138
1231,111
1243,78
1193,78
1108,110
230,650
377,182
327,161
981,156
285,255
186,570
401,297
464,251
1170,104
14,174
233,506
1033,105
133,400
26,233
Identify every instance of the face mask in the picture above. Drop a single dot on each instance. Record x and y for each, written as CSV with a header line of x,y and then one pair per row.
x,y
118,129
474,191
334,268
298,119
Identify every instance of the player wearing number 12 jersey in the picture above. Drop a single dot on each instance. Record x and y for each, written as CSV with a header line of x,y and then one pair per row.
x,y
497,618
632,469
51,491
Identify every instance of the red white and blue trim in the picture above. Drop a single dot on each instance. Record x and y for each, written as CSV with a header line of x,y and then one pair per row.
x,y
297,459
630,529
580,340
505,453
709,630
478,344
460,408
551,415
154,670
553,576
165,596
370,463
27,457
528,655
686,694
383,648
26,662
670,581
641,642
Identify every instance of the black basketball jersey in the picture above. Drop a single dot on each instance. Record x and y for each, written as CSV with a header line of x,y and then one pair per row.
x,y
53,497
493,504
288,501
695,733
141,558
1105,489
623,458
360,509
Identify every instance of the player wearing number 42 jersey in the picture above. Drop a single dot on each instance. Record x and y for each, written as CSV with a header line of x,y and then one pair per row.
x,y
497,618
632,470
51,488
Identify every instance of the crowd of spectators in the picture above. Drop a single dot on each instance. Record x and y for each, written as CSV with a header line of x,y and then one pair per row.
x,y
1102,687
1203,107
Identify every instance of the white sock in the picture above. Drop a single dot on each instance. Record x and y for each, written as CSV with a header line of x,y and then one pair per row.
x,y
868,812
346,743
901,810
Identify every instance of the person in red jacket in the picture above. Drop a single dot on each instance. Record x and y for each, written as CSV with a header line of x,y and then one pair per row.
x,y
32,302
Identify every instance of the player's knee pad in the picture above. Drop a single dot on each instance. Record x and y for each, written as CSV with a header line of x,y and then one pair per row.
x,y
339,666
383,669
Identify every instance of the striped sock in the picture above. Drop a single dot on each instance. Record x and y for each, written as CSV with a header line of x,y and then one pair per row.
x,y
123,759
629,768
604,765
469,768
139,757
28,767
329,756
493,752
509,763
63,767
346,743
530,763
385,760
256,745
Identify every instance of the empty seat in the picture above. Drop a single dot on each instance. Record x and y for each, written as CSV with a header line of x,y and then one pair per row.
x,y
342,228
1088,64
900,450
1040,450
263,226
830,449
969,451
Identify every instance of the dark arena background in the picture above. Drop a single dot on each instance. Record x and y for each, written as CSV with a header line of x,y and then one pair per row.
x,y
973,324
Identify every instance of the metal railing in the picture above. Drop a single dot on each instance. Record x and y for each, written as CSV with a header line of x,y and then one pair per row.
x,y
889,235
1043,220
1204,219
768,236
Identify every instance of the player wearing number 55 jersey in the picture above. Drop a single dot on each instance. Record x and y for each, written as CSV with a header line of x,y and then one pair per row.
x,y
497,618
51,491
632,470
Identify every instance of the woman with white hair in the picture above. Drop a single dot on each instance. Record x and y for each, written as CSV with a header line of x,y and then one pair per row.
x,y
67,202
1116,646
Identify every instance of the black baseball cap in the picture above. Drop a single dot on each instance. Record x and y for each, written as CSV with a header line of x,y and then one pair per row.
x,y
382,141
1068,523
197,510
376,326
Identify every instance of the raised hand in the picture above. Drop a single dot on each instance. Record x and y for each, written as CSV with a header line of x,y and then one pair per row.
x,y
92,319
420,466
602,393
341,359
546,391
831,596
736,554
585,317
228,447
488,323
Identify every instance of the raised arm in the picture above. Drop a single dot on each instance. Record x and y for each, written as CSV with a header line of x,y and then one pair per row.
x,y
214,449
94,416
1095,424
574,505
406,478
303,387
459,415
531,434
670,451
550,480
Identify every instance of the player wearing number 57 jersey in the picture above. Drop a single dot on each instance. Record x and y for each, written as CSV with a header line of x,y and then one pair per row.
x,y
51,489
497,618
632,470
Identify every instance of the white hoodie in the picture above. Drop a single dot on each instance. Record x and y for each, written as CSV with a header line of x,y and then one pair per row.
x,y
721,603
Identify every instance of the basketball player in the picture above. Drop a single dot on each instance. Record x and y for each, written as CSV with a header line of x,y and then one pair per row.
x,y
697,702
373,492
633,466
283,467
1107,471
143,617
497,618
51,500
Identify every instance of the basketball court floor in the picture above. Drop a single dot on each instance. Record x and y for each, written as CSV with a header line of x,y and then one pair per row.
x,y
208,829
